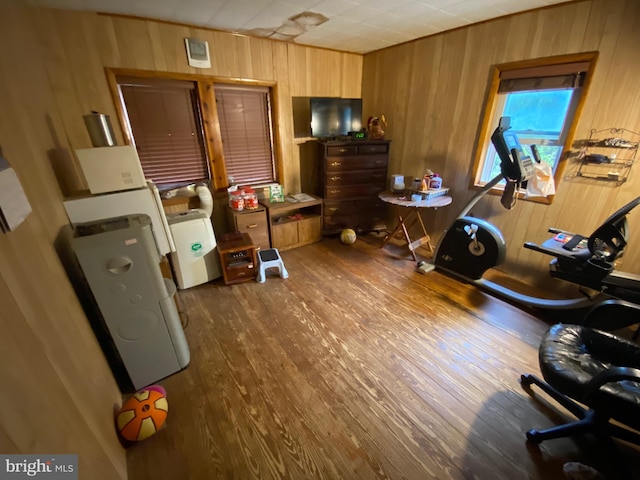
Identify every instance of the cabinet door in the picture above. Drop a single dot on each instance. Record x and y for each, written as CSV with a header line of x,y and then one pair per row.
x,y
310,230
284,235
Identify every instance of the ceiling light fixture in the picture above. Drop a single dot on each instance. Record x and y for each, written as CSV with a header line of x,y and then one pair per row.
x,y
292,27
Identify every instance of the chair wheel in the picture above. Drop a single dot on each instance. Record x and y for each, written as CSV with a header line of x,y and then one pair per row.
x,y
526,379
533,436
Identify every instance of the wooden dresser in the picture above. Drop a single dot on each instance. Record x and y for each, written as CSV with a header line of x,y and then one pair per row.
x,y
353,174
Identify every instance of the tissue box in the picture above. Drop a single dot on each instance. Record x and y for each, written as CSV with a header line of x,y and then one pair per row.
x,y
275,194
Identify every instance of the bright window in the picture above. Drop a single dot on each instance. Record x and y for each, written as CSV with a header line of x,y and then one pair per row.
x,y
542,102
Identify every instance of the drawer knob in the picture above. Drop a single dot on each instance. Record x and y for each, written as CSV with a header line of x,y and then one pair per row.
x,y
379,162
333,192
343,150
335,179
334,209
335,164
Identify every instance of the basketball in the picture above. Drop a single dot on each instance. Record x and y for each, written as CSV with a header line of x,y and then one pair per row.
x,y
143,414
348,236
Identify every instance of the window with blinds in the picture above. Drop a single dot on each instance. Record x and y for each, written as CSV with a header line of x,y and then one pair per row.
x,y
165,123
542,102
244,115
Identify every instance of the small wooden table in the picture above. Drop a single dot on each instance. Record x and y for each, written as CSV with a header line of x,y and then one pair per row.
x,y
293,224
414,207
237,258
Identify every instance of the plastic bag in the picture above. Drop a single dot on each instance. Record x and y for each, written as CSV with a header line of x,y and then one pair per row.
x,y
542,183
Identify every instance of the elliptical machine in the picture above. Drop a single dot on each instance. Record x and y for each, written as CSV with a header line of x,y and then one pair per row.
x,y
472,245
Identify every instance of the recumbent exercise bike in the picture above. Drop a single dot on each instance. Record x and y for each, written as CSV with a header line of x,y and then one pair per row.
x,y
472,245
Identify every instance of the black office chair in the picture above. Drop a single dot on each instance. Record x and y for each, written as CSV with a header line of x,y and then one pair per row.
x,y
597,369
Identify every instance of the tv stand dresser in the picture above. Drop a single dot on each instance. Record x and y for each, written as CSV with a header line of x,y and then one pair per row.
x,y
353,173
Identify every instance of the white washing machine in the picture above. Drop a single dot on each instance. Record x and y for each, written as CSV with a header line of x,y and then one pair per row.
x,y
195,260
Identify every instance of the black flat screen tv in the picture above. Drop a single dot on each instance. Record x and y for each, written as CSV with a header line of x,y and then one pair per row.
x,y
335,117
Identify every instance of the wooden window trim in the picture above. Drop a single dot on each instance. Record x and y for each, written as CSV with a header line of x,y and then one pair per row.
x,y
507,69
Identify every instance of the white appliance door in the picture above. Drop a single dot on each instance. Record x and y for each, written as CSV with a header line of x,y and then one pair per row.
x,y
144,200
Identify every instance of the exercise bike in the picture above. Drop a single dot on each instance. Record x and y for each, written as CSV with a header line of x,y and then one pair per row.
x,y
472,245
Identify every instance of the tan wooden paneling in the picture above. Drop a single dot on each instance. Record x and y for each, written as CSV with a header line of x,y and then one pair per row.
x,y
446,92
78,46
58,393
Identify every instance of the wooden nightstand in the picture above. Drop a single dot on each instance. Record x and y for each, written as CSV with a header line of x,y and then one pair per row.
x,y
253,222
237,258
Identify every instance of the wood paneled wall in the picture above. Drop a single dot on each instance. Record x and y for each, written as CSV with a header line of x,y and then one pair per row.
x,y
78,46
433,90
57,394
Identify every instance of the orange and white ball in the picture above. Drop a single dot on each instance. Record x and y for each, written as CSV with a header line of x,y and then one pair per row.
x,y
143,414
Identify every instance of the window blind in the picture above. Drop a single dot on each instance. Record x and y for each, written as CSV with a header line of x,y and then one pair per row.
x,y
245,127
546,77
165,123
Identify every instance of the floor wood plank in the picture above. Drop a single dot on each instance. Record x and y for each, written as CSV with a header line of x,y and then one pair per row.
x,y
355,367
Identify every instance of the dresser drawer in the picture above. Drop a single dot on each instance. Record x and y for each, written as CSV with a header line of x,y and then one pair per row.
x,y
337,164
340,150
235,274
254,223
355,177
371,207
337,223
353,191
376,148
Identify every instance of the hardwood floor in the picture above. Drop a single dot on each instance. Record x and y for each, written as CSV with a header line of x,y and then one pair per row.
x,y
355,367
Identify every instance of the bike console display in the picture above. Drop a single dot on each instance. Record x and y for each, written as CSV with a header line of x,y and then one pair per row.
x,y
515,165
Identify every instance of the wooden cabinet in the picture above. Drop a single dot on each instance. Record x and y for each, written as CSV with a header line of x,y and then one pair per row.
x,y
353,173
294,224
253,222
237,258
